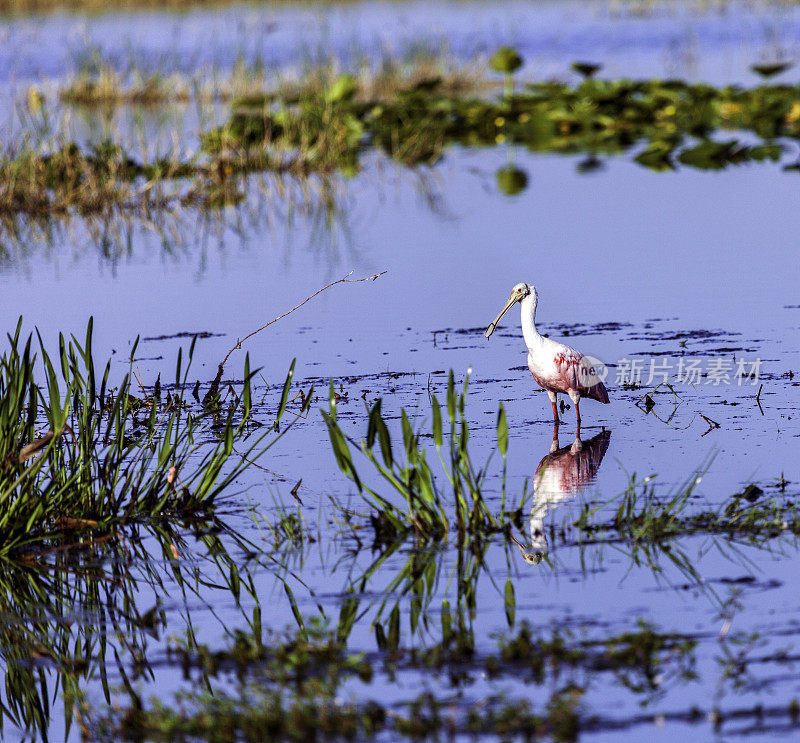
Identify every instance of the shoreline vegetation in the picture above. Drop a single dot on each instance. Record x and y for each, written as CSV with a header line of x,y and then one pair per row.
x,y
79,455
84,462
325,122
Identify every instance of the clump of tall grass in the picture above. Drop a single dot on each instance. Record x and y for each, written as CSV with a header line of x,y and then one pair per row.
x,y
643,516
107,87
109,456
430,504
66,178
100,83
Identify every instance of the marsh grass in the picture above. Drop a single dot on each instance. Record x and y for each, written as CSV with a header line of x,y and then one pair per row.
x,y
431,506
63,180
100,83
106,88
649,530
109,456
643,516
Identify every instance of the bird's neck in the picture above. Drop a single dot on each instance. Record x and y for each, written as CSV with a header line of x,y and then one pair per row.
x,y
538,538
533,338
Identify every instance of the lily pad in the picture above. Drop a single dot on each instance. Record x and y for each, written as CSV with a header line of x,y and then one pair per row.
x,y
770,69
587,69
512,180
505,60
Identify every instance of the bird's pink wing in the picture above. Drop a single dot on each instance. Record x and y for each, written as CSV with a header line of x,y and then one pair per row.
x,y
567,363
578,374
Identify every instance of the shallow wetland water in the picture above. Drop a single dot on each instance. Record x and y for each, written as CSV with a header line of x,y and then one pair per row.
x,y
693,632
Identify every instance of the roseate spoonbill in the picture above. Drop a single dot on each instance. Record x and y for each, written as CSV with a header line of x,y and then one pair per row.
x,y
555,366
558,478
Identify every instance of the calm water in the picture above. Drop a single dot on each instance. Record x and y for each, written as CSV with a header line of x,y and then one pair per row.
x,y
629,264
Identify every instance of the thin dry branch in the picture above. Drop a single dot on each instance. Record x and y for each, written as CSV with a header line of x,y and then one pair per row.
x,y
212,392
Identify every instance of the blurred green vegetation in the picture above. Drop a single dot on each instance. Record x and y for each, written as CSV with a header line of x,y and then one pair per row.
x,y
326,123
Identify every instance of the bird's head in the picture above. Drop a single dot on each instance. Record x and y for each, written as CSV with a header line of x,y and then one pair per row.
x,y
533,558
518,293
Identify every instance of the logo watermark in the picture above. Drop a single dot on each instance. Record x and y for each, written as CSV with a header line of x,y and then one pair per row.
x,y
694,371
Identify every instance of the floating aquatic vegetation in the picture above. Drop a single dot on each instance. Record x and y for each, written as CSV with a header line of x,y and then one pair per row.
x,y
328,122
511,180
770,69
586,69
672,121
507,61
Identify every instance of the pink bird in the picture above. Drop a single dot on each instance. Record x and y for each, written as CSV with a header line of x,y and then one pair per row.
x,y
555,366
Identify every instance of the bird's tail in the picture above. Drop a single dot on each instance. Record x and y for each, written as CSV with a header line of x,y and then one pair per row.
x,y
599,393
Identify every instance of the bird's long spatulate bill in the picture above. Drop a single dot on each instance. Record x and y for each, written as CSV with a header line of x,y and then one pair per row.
x,y
493,324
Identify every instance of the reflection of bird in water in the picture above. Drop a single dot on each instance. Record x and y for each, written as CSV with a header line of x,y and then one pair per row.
x,y
555,366
559,477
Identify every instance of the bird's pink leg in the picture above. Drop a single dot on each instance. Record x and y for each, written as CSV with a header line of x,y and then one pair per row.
x,y
578,413
554,445
555,412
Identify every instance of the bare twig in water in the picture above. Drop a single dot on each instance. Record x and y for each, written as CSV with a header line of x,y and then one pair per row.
x,y
646,403
711,423
344,280
758,398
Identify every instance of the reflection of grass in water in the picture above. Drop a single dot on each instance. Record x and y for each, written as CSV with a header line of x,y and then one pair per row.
x,y
294,686
648,529
75,617
258,203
